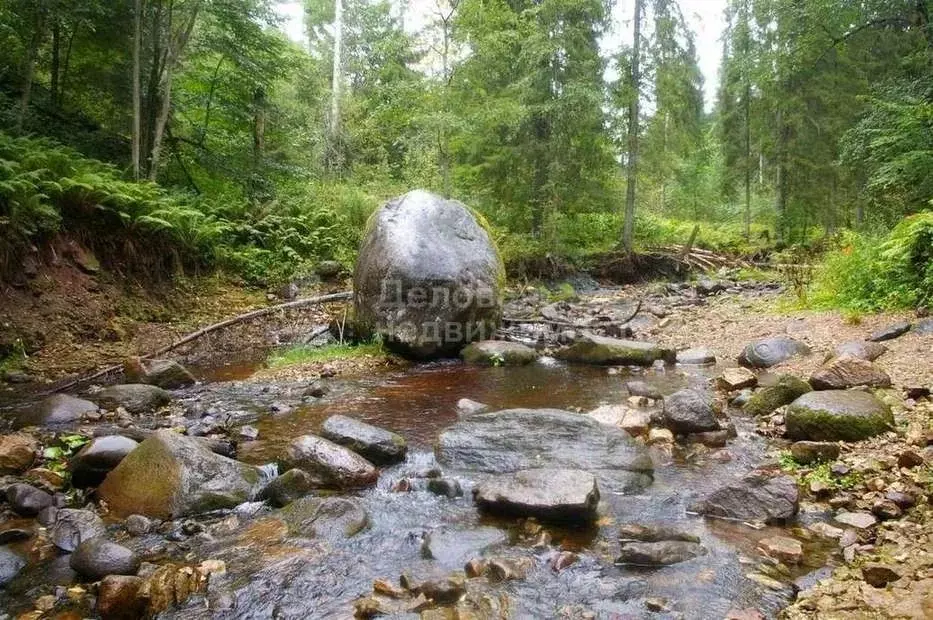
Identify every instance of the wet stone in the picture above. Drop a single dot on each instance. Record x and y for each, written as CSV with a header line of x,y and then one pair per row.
x,y
73,526
806,452
377,445
98,557
756,497
688,411
10,564
467,407
858,520
737,379
138,525
17,452
118,598
330,463
290,486
56,410
643,389
837,415
663,553
498,353
783,548
446,487
26,499
136,398
547,494
330,518
94,461
654,533
846,372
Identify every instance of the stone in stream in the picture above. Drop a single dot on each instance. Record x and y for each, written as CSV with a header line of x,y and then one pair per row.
x,y
452,548
589,348
118,598
696,357
27,500
331,464
654,533
170,476
547,494
689,411
895,330
771,351
72,527
837,415
167,374
467,407
98,557
515,439
737,378
806,452
756,497
446,487
846,372
56,410
10,564
643,389
782,548
377,445
134,397
635,422
329,518
498,353
429,278
17,452
662,553
290,486
878,574
94,461
861,349
782,392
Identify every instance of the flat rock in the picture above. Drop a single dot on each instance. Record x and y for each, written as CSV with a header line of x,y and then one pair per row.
x,y
663,553
861,349
635,422
56,410
375,444
737,378
136,398
589,348
72,527
806,452
332,464
17,452
453,547
783,548
654,532
547,494
330,518
837,415
689,411
98,557
890,332
783,391
859,520
696,357
498,353
756,497
846,372
96,458
771,351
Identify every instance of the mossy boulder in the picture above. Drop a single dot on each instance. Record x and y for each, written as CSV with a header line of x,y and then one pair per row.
x,y
837,415
589,348
498,353
785,390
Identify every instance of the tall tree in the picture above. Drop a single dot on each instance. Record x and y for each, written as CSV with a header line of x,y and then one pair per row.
x,y
628,225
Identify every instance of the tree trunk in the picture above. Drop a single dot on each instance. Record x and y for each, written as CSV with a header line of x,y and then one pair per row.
x,y
748,121
628,226
30,69
137,94
780,181
336,83
56,64
259,126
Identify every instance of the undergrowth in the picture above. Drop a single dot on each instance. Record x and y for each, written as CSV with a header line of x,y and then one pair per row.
x,y
303,354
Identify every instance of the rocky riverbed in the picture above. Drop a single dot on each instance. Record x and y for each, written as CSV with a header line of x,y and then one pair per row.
x,y
594,465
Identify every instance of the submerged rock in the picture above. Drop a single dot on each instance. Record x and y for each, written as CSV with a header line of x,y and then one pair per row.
x,y
290,486
330,518
170,475
688,411
331,464
428,278
134,397
167,374
98,557
467,407
452,548
589,348
662,553
837,415
782,392
498,353
848,371
373,443
756,497
654,533
547,494
56,410
94,461
771,351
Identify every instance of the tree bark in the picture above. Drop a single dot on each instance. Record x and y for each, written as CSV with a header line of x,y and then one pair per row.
x,y
30,68
628,226
137,94
780,181
746,104
56,63
336,84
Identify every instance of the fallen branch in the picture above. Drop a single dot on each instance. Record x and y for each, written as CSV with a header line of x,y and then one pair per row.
x,y
515,319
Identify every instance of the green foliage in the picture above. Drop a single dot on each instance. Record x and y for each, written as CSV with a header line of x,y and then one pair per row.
x,y
819,473
311,355
66,445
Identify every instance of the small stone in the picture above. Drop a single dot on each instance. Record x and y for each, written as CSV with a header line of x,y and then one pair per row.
x,y
249,433
737,378
72,527
909,459
467,407
643,388
902,500
138,525
849,538
696,357
879,575
858,520
886,509
506,569
98,557
820,488
657,604
839,469
660,435
17,452
782,548
26,499
448,487
826,530
806,452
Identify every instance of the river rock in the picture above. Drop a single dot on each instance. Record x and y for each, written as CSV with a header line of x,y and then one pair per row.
x,y
428,278
27,500
10,564
134,397
879,574
446,487
756,497
467,407
290,486
17,452
328,269
895,330
663,553
515,439
589,348
56,410
331,464
654,533
771,351
643,389
635,422
170,476
72,527
452,548
498,353
707,286
98,557
546,494
94,461
861,349
860,520
138,525
118,598
688,411
847,371
329,518
167,374
837,415
806,452
696,357
737,378
377,445
782,548
785,390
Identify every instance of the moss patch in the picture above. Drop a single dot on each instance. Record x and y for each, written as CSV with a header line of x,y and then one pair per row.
x,y
821,425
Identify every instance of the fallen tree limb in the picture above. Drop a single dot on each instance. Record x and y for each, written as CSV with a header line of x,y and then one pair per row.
x,y
514,319
253,314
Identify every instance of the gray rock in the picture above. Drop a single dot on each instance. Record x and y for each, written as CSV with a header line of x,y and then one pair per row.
x,y
73,526
861,349
643,388
377,445
837,415
134,397
428,278
806,452
847,371
56,410
662,553
10,565
498,353
138,525
452,548
169,476
27,500
654,533
329,518
515,439
94,461
448,487
98,557
546,494
467,407
167,374
890,332
688,411
328,269
706,287
331,464
771,351
290,486
756,497
589,348
696,357
924,326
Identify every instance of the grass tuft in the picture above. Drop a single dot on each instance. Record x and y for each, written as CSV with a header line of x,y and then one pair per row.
x,y
303,354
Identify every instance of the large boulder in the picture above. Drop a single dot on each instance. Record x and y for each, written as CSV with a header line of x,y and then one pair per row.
x,y
780,393
56,410
498,353
771,351
688,411
546,494
376,444
134,397
848,371
588,348
515,439
170,475
167,374
17,452
428,278
94,461
329,463
756,497
837,415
